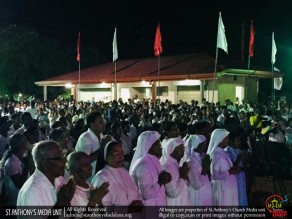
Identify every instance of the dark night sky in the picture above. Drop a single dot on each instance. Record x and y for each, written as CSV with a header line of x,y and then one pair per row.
x,y
187,26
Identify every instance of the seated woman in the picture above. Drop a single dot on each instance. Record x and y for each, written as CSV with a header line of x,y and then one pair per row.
x,y
122,188
223,173
146,169
177,190
199,163
79,166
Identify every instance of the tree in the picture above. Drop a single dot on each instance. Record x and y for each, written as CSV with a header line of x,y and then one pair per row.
x,y
26,57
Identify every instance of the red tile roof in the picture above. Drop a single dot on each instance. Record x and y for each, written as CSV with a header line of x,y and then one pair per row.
x,y
187,66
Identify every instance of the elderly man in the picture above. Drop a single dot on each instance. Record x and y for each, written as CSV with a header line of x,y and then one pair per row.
x,y
40,189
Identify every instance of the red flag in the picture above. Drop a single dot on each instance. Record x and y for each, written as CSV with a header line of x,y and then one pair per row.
x,y
251,40
157,43
78,48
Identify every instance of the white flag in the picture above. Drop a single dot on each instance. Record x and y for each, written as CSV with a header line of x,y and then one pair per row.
x,y
274,49
115,46
278,82
221,38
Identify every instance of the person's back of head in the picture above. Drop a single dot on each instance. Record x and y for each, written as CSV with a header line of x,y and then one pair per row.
x,y
56,124
32,134
56,134
15,116
3,124
61,112
92,117
26,119
32,104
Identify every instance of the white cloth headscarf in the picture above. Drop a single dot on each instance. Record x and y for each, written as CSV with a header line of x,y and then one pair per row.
x,y
145,141
217,136
191,144
105,150
169,147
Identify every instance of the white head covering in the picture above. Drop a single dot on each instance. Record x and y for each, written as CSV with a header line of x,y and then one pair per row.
x,y
145,141
217,137
191,144
105,149
169,147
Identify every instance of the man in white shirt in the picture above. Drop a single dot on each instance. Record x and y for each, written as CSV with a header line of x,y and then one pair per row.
x,y
44,188
89,141
32,109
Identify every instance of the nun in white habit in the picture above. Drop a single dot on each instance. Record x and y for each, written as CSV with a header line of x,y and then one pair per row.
x,y
146,169
199,163
122,188
177,193
223,174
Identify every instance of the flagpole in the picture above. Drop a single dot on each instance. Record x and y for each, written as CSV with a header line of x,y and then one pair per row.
x,y
115,57
273,89
158,73
215,70
79,60
273,59
221,43
157,52
115,95
79,84
248,63
247,80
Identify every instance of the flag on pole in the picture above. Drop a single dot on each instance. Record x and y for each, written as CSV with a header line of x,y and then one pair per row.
x,y
78,48
157,43
115,46
251,40
278,82
221,38
274,49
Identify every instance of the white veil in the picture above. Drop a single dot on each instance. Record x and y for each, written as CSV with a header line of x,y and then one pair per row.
x,y
144,143
217,137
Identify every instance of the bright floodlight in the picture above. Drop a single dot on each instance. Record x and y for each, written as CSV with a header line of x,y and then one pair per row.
x,y
68,85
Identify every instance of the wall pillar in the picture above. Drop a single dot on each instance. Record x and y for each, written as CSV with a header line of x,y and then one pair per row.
x,y
153,89
45,90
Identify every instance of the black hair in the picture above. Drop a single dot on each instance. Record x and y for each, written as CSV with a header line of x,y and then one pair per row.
x,y
25,114
56,124
15,145
168,125
15,115
56,133
91,118
124,124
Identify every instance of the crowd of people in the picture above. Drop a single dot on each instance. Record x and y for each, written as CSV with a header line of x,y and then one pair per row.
x,y
139,153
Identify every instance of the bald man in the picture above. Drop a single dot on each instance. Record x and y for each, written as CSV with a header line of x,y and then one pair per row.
x,y
42,188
